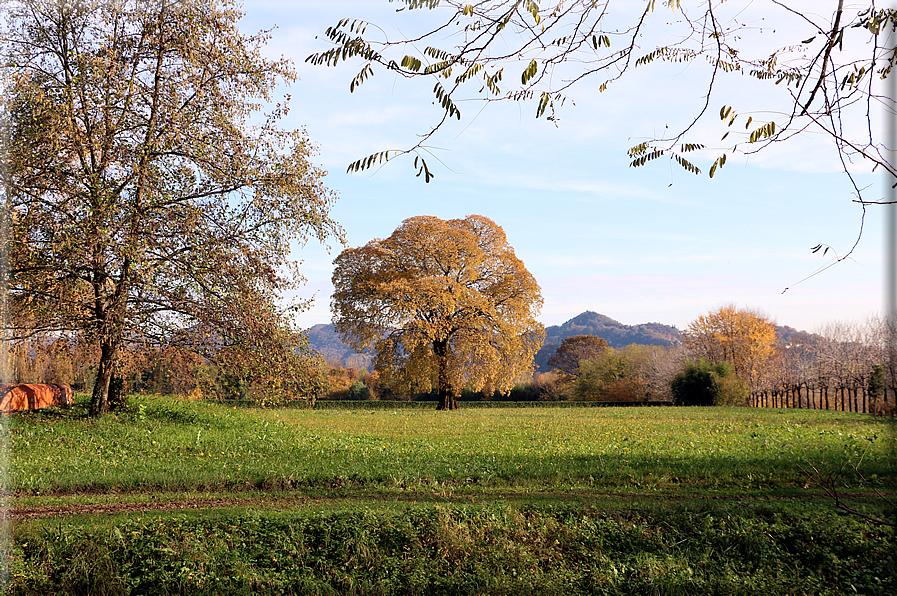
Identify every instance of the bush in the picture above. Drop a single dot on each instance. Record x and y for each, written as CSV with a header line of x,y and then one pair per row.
x,y
524,392
877,382
615,376
622,390
706,384
733,391
359,391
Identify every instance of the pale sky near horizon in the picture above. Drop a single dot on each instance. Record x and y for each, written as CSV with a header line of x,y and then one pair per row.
x,y
636,244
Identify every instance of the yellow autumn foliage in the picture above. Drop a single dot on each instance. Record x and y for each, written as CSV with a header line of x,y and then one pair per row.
x,y
743,337
446,304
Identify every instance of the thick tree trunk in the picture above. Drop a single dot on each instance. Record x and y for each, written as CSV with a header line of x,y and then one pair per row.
x,y
447,398
99,403
110,306
447,401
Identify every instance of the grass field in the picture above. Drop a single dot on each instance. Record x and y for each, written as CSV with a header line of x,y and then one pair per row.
x,y
479,501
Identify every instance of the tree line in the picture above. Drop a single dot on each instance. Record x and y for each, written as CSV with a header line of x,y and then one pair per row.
x,y
733,356
150,209
73,360
841,367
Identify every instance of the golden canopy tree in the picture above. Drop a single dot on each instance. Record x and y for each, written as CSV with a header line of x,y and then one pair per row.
x,y
146,199
445,304
743,337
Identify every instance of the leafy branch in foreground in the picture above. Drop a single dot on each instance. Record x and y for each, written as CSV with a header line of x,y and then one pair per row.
x,y
830,73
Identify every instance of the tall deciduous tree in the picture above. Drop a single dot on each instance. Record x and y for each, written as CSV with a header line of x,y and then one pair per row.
x,y
742,337
147,199
445,304
574,350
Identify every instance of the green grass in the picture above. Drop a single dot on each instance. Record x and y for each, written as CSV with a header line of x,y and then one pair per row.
x,y
719,548
168,444
478,501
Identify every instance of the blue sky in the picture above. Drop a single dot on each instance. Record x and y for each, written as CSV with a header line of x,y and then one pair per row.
x,y
637,244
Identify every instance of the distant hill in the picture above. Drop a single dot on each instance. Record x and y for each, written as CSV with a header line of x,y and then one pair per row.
x,y
616,334
791,336
326,341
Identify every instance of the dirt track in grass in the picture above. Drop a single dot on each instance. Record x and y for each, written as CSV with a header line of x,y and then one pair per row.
x,y
283,502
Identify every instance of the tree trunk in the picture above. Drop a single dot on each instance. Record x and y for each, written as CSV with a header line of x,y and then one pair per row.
x,y
447,401
447,398
99,403
110,307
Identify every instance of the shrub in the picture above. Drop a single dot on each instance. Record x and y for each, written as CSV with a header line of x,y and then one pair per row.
x,y
622,390
706,384
608,377
733,391
359,391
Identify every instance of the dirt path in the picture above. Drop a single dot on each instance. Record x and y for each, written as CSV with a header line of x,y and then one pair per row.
x,y
144,507
281,502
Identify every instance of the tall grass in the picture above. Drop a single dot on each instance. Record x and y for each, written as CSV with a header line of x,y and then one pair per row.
x,y
713,548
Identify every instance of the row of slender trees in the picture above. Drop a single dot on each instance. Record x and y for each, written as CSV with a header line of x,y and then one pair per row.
x,y
842,367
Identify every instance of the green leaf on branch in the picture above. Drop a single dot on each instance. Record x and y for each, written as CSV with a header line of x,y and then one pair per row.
x,y
687,165
529,72
411,63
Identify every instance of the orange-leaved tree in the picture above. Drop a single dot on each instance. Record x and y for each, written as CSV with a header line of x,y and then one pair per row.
x,y
446,304
740,336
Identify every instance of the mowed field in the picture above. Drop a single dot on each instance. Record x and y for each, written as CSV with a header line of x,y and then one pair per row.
x,y
192,497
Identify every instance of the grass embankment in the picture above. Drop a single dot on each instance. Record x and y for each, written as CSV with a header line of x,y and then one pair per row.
x,y
588,501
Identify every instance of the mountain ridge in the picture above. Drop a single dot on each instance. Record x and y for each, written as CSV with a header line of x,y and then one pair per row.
x,y
616,334
324,339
